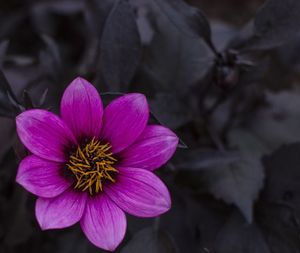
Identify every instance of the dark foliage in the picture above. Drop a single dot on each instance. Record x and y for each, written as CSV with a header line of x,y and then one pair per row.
x,y
230,91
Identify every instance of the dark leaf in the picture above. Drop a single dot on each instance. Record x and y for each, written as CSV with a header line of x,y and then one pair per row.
x,y
7,130
42,10
277,22
187,19
222,33
175,62
181,231
9,22
43,98
50,58
3,48
280,228
120,49
73,242
239,182
27,100
96,13
283,175
199,160
239,237
247,143
144,23
7,98
170,110
17,224
20,229
62,6
149,240
278,122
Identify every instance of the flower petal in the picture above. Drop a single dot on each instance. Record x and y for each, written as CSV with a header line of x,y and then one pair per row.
x,y
62,211
139,192
124,120
44,134
154,147
82,109
41,177
103,222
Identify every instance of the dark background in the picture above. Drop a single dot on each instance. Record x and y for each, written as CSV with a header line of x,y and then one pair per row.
x,y
224,75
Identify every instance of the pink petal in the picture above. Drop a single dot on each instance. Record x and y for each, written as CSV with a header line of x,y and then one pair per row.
x,y
139,192
44,134
41,177
124,120
154,147
62,211
82,109
103,222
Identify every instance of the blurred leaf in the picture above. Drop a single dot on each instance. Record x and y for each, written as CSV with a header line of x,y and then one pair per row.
x,y
43,97
277,22
19,227
120,49
200,159
9,22
247,143
207,216
170,110
53,49
283,176
73,242
59,6
149,240
222,33
239,237
194,220
27,100
3,48
144,22
189,20
279,121
49,58
7,130
239,182
174,62
8,99
280,228
8,165
183,230
42,11
96,13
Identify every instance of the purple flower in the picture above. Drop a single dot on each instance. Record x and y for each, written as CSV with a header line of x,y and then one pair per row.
x,y
92,164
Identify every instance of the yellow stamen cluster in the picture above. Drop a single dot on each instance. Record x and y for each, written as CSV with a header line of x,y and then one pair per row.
x,y
91,165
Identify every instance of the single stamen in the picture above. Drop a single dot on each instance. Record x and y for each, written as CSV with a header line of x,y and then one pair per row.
x,y
92,165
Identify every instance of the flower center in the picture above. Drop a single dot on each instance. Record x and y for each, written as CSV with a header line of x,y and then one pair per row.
x,y
92,164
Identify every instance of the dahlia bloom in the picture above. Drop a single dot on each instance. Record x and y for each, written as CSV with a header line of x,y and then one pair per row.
x,y
92,165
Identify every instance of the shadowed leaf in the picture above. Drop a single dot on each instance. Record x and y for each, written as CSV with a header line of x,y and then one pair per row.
x,y
200,160
189,20
276,22
149,240
120,47
283,177
7,98
239,182
239,237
